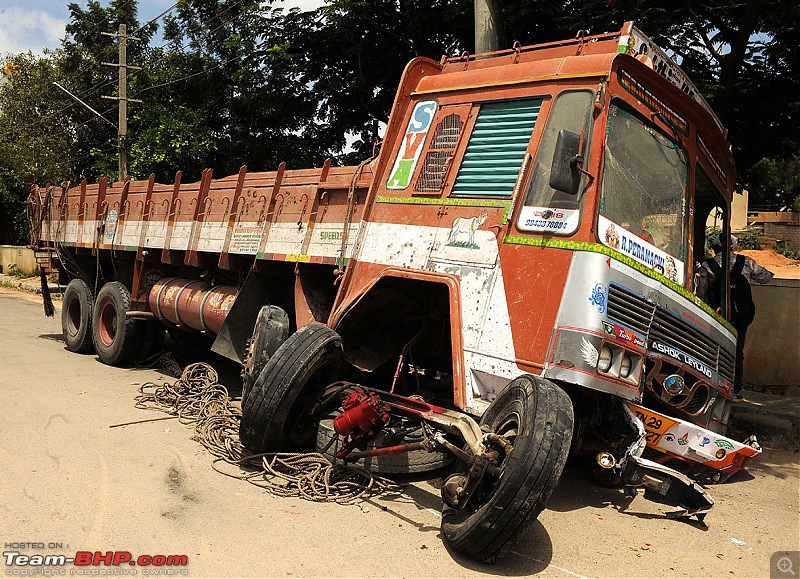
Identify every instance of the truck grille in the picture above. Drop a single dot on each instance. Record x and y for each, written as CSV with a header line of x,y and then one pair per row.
x,y
644,317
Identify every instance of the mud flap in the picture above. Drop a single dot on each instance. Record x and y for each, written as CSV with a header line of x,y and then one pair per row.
x,y
231,341
661,483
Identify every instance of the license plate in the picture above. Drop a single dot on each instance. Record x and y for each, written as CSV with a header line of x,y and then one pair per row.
x,y
655,425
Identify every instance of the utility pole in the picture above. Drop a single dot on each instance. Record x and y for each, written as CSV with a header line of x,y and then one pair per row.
x,y
123,99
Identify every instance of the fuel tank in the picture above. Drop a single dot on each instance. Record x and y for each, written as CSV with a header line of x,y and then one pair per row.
x,y
192,303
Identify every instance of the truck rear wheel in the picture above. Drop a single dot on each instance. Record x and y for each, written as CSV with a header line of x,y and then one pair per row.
x,y
116,338
76,317
536,417
275,413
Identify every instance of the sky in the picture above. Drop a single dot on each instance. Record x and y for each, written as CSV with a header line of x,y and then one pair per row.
x,y
37,24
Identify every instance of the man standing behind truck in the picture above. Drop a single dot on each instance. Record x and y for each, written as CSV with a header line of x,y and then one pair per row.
x,y
742,270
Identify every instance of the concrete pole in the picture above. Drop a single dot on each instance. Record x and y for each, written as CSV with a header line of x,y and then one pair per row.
x,y
486,26
122,126
123,102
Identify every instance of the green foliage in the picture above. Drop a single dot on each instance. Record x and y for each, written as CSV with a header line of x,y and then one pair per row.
x,y
776,180
751,238
786,250
32,150
16,272
711,233
245,82
13,221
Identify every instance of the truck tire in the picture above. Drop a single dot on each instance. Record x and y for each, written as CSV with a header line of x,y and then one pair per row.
x,y
116,338
536,417
76,317
328,442
275,414
270,331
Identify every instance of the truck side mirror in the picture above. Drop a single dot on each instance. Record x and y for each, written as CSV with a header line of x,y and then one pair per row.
x,y
564,173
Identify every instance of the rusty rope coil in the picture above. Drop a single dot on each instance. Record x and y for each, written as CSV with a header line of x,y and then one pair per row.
x,y
197,398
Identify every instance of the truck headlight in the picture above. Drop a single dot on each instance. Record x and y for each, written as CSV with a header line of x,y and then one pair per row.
x,y
625,366
605,359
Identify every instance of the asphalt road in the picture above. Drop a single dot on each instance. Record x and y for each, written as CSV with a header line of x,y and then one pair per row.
x,y
69,483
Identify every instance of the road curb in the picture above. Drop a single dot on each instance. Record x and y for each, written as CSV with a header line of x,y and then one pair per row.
x,y
769,414
29,286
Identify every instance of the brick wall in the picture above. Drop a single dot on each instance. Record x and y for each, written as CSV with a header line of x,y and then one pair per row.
x,y
787,232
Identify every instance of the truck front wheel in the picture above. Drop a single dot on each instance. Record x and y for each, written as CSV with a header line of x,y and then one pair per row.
x,y
535,416
115,337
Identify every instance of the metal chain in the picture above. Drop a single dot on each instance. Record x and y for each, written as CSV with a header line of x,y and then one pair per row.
x,y
351,200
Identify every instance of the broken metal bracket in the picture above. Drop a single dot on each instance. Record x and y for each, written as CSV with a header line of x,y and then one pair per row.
x,y
675,488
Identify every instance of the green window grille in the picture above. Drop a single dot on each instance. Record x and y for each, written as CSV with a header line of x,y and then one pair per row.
x,y
496,148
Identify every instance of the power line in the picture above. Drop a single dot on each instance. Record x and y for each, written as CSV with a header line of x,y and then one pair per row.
x,y
192,75
102,84
195,28
188,76
149,22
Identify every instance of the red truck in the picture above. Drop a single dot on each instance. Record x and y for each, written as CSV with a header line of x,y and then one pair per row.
x,y
508,282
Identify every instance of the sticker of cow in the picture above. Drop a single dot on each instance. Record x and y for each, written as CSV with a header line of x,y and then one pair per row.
x,y
462,233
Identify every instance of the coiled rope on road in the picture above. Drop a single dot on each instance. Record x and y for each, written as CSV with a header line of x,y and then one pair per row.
x,y
197,398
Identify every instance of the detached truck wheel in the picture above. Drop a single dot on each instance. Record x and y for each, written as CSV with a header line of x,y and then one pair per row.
x,y
536,417
76,317
270,331
116,338
275,413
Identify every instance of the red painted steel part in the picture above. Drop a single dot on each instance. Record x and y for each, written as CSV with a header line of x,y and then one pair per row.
x,y
361,412
186,302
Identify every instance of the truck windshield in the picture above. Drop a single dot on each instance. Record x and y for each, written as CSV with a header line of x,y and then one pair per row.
x,y
644,194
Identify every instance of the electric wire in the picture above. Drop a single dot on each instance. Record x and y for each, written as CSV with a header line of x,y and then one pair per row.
x,y
103,84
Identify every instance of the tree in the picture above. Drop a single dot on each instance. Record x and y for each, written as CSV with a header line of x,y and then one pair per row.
x,y
741,55
84,50
33,149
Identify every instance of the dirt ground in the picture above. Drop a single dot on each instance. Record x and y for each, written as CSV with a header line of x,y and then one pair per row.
x,y
70,480
780,265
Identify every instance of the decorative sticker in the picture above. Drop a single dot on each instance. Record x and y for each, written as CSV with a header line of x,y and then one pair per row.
x,y
652,102
462,233
638,45
411,147
617,237
111,225
549,220
598,298
628,336
723,443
